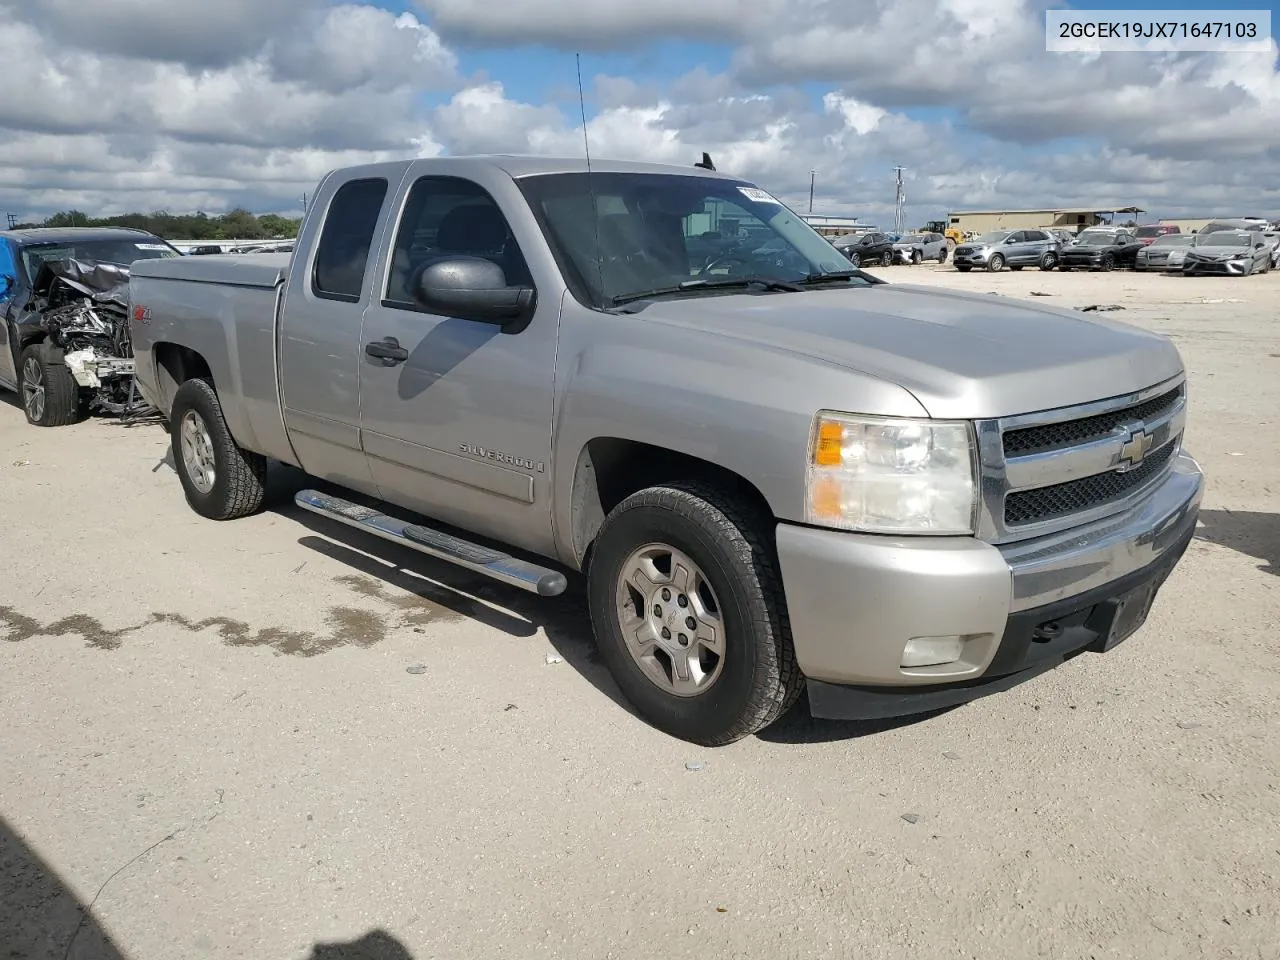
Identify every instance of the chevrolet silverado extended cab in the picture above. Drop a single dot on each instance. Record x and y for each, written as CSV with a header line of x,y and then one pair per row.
x,y
776,473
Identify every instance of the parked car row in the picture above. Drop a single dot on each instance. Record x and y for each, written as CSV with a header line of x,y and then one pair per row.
x,y
1234,247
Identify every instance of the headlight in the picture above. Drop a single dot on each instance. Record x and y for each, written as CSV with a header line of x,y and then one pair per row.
x,y
891,475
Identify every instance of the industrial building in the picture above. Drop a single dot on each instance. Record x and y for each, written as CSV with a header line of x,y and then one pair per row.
x,y
980,221
833,226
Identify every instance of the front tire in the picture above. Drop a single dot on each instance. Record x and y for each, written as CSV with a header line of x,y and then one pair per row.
x,y
917,257
886,259
996,263
856,260
221,481
50,394
689,614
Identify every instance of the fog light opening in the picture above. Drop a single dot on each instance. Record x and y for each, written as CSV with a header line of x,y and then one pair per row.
x,y
932,651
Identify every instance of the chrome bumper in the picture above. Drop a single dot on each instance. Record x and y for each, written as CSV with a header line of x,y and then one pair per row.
x,y
856,600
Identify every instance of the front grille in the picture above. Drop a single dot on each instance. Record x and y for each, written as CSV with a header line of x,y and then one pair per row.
x,y
1076,496
1055,436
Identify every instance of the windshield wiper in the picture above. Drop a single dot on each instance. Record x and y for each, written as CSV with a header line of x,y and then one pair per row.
x,y
816,278
695,285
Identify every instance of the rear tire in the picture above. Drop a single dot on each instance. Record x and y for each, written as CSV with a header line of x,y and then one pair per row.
x,y
722,695
221,480
1048,261
50,394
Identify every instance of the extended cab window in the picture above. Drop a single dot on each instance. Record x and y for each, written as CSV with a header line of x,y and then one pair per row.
x,y
450,217
343,251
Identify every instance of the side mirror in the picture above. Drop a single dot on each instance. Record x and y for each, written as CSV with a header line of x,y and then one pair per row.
x,y
472,288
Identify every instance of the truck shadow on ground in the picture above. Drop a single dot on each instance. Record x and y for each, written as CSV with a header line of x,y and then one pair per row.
x,y
426,589
1245,531
42,919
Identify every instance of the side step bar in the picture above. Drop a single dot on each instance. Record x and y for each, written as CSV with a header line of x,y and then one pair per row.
x,y
471,556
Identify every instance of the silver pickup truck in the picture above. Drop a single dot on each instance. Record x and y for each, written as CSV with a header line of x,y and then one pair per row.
x,y
777,474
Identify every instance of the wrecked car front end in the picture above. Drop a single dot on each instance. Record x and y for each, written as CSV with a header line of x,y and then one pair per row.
x,y
81,309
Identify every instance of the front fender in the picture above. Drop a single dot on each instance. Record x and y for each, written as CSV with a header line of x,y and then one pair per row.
x,y
746,408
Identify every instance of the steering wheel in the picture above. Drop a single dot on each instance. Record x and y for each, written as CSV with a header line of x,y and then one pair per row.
x,y
730,258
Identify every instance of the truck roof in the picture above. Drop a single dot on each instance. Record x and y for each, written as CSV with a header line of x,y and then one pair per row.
x,y
522,165
54,234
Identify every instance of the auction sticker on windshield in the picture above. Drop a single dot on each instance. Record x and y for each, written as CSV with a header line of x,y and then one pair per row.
x,y
758,195
151,246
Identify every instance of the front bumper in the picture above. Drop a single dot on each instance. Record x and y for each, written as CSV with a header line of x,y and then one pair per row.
x,y
1230,268
856,600
1081,263
974,258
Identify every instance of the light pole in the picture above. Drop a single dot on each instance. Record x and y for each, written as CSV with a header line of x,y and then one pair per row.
x,y
812,175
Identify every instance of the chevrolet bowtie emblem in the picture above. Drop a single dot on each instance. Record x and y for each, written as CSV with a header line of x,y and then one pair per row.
x,y
1135,448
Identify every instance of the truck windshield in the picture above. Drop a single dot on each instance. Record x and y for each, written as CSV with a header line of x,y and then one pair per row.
x,y
122,252
658,231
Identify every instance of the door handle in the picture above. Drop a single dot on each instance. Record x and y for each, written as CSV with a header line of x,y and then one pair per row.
x,y
388,350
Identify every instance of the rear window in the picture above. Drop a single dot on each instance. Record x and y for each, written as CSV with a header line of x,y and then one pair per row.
x,y
343,251
121,252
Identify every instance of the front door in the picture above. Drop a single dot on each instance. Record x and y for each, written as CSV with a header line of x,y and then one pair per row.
x,y
460,429
8,290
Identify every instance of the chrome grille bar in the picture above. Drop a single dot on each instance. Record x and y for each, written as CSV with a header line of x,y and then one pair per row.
x,y
1045,472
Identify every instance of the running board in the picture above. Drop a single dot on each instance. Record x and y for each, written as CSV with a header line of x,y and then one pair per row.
x,y
470,556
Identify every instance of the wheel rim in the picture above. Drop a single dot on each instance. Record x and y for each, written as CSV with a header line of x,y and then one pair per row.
x,y
855,259
997,262
661,592
33,392
887,259
197,451
1050,262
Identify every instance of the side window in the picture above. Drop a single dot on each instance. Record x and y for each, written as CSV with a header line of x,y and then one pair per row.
x,y
450,217
1018,236
343,251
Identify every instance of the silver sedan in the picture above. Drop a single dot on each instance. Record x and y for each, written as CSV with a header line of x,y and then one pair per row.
x,y
1164,253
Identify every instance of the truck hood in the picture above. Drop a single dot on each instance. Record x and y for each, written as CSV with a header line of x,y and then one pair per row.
x,y
963,356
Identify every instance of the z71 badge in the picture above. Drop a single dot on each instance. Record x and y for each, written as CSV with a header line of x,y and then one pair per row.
x,y
484,453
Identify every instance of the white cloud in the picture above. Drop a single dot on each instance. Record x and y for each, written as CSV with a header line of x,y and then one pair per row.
x,y
184,104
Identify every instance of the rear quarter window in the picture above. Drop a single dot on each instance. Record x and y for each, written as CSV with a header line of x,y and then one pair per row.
x,y
343,251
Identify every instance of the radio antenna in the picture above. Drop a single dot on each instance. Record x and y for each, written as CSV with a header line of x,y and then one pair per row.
x,y
595,207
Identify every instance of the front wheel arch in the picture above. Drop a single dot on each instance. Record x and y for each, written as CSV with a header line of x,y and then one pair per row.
x,y
610,469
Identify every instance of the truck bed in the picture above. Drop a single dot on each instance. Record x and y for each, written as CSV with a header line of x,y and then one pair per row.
x,y
239,270
222,308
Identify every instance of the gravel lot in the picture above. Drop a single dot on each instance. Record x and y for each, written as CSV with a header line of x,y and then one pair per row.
x,y
274,738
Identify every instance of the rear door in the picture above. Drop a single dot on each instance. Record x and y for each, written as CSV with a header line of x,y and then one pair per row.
x,y
460,429
320,351
1038,243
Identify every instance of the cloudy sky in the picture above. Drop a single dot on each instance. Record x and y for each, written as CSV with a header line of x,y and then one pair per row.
x,y
118,105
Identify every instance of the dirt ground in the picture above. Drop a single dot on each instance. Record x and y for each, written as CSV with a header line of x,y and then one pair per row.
x,y
275,738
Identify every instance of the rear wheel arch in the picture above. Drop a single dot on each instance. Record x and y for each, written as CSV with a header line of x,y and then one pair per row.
x,y
610,469
175,365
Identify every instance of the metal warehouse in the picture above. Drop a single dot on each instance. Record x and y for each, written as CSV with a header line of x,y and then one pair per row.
x,y
980,221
